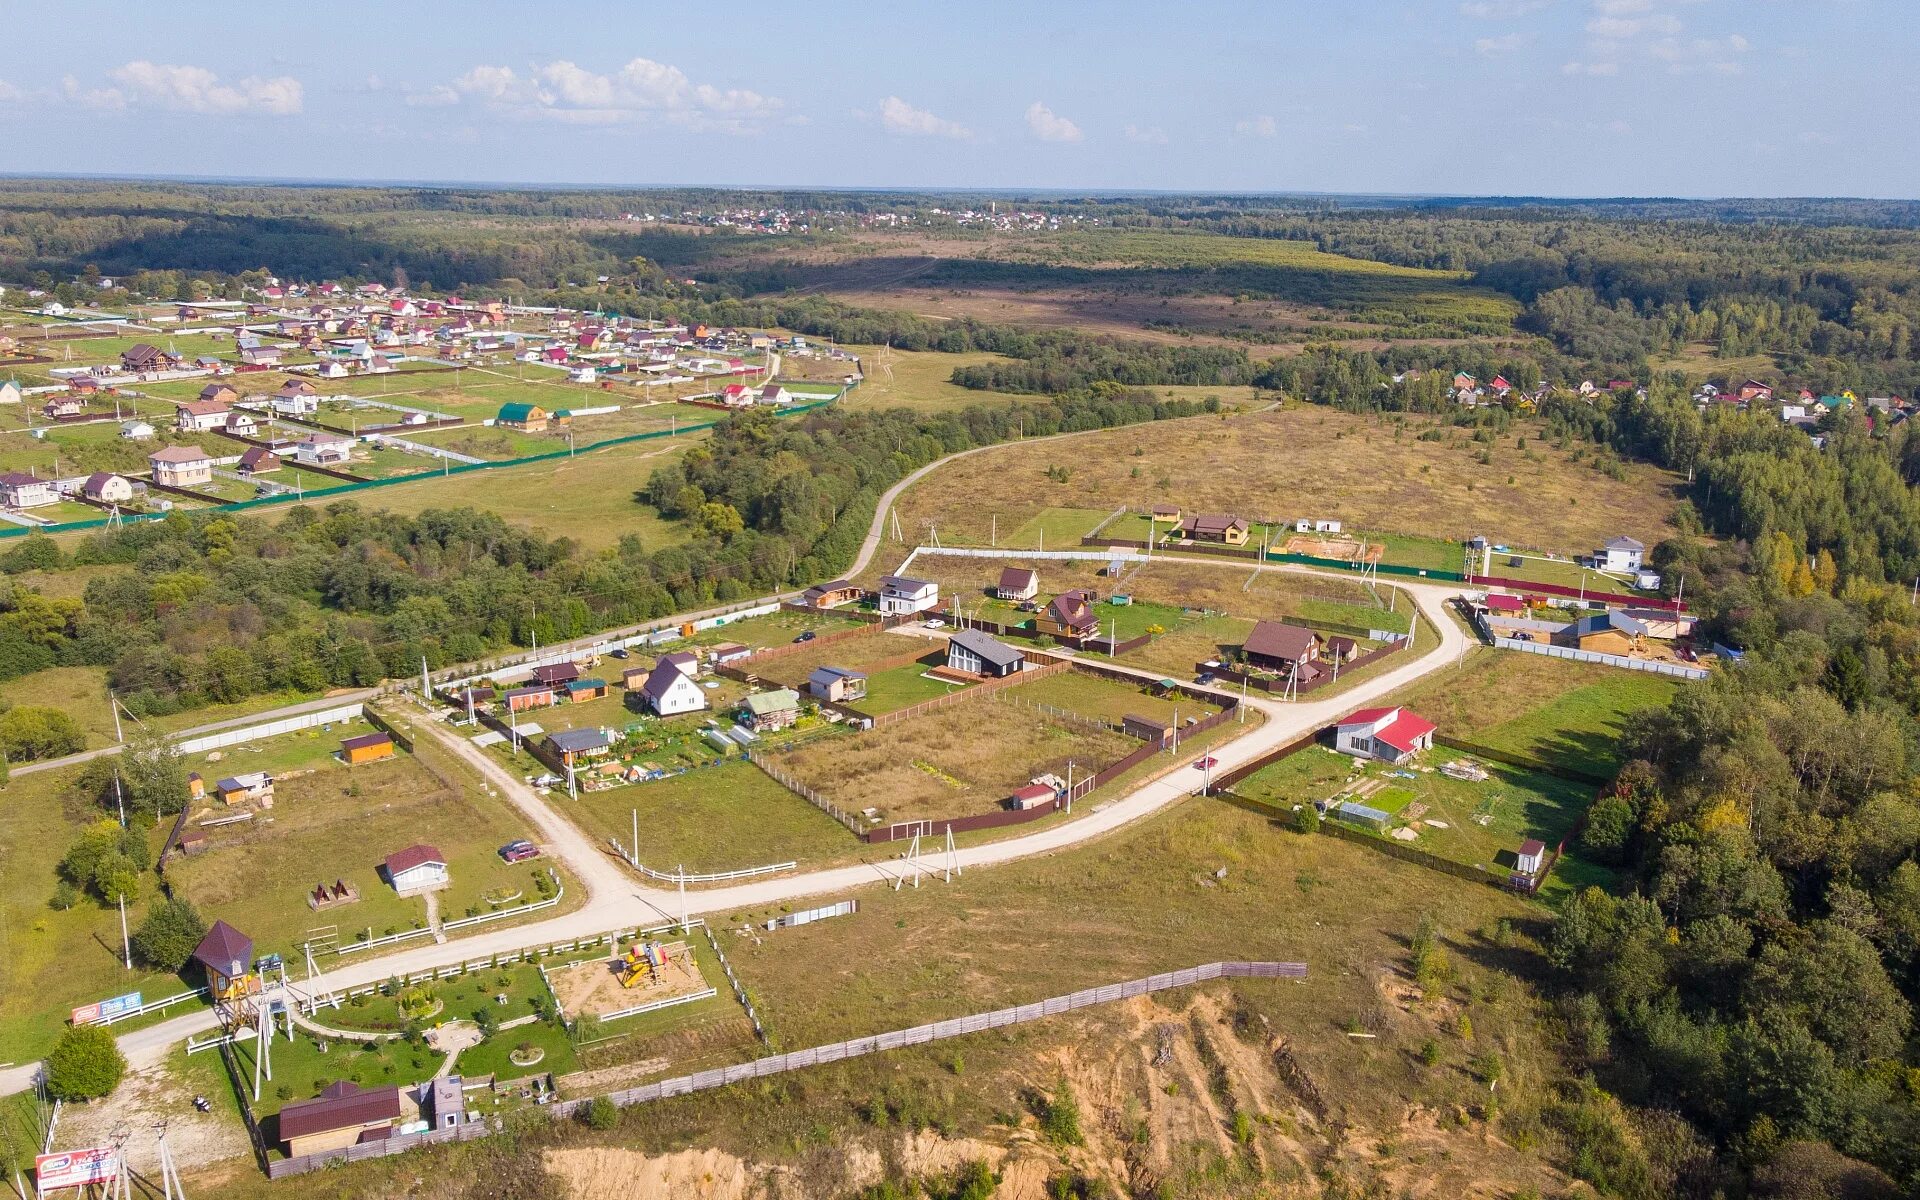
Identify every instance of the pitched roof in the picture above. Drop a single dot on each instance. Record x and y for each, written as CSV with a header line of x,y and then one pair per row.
x,y
989,648
662,680
1625,543
202,408
1018,579
834,585
1532,846
1400,732
519,413
256,455
904,583
1271,639
1215,522
761,704
365,740
556,672
97,482
179,454
224,951
342,1106
1072,610
413,856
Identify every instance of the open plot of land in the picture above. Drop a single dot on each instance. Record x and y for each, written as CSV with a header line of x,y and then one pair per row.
x,y
962,759
770,629
895,688
1559,711
871,652
1337,466
341,823
1112,700
1477,823
726,817
918,379
589,498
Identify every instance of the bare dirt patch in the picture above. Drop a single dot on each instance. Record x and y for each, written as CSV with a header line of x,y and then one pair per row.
x,y
144,1099
593,987
1346,549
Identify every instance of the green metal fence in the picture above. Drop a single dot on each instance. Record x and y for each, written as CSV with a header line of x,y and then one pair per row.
x,y
345,489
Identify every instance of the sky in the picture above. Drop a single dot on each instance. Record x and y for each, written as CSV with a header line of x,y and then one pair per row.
x,y
1466,97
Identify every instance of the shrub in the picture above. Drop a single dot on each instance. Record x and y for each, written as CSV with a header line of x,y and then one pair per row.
x,y
166,939
85,1064
600,1113
1060,1119
1430,1053
1306,820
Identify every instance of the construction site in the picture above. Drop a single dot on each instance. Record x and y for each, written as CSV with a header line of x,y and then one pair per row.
x,y
648,975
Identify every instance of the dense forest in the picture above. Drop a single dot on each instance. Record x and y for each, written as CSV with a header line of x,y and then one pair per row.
x,y
218,608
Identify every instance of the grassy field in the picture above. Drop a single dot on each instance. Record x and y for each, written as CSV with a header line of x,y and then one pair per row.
x,y
1477,824
917,379
340,823
722,818
1112,700
895,688
857,654
589,498
1361,472
81,692
959,760
1552,709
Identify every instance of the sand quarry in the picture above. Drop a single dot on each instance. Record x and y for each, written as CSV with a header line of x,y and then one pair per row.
x,y
592,988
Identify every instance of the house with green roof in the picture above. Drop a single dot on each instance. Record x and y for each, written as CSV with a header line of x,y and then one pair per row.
x,y
528,417
763,712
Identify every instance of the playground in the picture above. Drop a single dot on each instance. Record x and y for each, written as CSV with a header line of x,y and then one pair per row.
x,y
645,973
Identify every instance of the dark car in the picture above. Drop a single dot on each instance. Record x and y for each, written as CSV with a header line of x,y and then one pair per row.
x,y
519,851
806,635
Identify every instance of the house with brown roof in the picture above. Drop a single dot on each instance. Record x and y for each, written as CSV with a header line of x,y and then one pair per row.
x,y
1018,583
343,1115
1220,528
833,594
181,466
200,416
418,868
258,460
104,487
142,358
1070,614
218,393
1273,646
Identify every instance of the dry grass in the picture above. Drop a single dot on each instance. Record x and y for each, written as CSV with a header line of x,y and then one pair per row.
x,y
954,762
1305,461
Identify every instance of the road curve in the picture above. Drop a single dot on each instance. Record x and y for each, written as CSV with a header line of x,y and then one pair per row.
x,y
615,899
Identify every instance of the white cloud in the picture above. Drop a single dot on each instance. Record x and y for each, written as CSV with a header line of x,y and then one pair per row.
x,y
1590,68
8,92
437,96
190,89
1260,126
1500,10
1622,8
1146,135
897,116
1050,126
639,91
1621,28
1713,56
1504,44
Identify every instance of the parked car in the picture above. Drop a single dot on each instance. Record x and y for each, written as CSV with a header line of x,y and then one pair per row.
x,y
806,635
936,623
618,652
1203,679
519,851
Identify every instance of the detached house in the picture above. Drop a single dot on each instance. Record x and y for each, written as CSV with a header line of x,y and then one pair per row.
x,y
980,654
418,868
1070,614
18,489
1018,583
669,691
774,394
181,466
1220,528
1623,555
200,416
323,449
528,417
1273,646
143,358
104,487
830,595
837,685
1389,734
902,596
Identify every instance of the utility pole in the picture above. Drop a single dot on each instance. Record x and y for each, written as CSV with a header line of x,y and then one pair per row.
x,y
426,684
126,945
119,799
113,703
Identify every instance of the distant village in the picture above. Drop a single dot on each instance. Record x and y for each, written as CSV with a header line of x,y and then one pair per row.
x,y
1800,408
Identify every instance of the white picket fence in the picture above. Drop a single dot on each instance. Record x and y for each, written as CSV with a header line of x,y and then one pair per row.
x,y
499,914
149,1006
657,1005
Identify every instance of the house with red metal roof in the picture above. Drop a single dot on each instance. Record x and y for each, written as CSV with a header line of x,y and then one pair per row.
x,y
1389,734
418,868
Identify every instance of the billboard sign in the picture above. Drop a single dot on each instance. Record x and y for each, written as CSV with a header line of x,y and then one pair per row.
x,y
73,1168
87,1014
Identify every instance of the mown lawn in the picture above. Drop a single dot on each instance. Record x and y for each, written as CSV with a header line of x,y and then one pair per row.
x,y
726,817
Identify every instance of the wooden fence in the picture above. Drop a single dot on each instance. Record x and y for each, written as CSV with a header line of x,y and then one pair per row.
x,y
1273,686
1588,594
